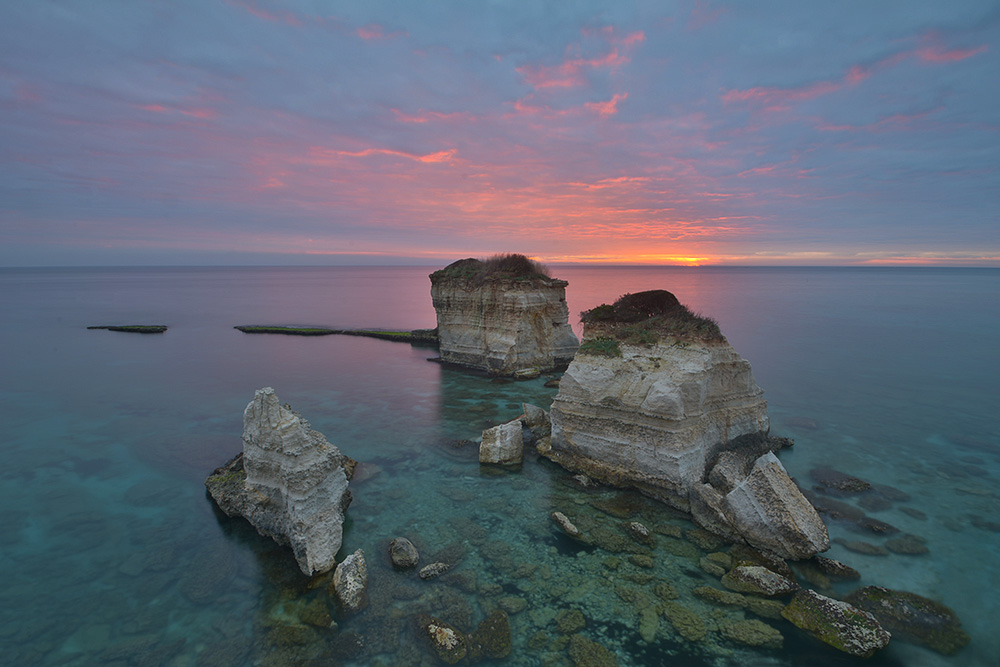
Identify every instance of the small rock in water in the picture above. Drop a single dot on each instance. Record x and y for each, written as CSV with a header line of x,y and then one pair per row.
x,y
875,503
892,493
913,618
447,642
834,568
908,544
403,554
837,481
752,633
876,526
570,621
492,639
350,582
433,570
837,623
639,532
914,512
857,546
758,580
565,524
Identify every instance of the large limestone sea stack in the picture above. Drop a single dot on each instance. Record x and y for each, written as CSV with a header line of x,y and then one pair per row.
x,y
658,400
504,315
289,482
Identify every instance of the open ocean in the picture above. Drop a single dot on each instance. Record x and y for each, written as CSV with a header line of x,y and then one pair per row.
x,y
114,555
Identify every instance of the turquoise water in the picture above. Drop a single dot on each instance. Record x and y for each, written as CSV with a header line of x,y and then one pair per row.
x,y
113,554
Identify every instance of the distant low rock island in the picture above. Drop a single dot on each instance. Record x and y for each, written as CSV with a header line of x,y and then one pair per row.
x,y
504,315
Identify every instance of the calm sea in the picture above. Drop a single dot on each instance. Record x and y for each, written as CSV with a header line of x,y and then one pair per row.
x,y
113,554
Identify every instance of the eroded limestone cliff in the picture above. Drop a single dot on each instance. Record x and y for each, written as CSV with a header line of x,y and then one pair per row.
x,y
289,482
658,400
502,322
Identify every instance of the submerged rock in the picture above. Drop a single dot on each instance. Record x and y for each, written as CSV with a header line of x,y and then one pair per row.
x,y
290,483
492,639
586,653
837,623
447,641
502,315
503,444
913,618
752,633
433,570
661,402
350,582
403,554
565,524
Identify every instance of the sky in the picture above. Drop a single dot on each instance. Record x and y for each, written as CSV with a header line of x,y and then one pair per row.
x,y
400,132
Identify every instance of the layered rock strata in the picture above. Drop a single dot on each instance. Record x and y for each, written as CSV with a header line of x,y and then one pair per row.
x,y
289,482
677,415
503,324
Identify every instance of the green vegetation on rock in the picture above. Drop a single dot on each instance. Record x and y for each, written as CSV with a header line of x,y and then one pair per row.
x,y
507,266
645,318
913,618
600,347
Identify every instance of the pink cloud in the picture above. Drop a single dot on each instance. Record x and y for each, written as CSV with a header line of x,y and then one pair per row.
x,y
938,54
608,108
287,18
572,72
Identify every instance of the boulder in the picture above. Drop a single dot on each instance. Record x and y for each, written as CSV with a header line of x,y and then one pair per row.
x,y
503,444
350,583
913,618
289,482
769,512
403,554
837,623
506,319
537,420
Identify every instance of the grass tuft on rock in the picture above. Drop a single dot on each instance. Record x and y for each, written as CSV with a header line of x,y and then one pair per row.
x,y
644,318
505,266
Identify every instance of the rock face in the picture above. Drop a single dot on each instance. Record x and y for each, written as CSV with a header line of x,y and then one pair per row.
x,y
501,323
667,406
290,483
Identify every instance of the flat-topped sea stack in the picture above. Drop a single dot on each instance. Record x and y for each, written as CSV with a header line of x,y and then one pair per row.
x,y
658,400
289,482
504,315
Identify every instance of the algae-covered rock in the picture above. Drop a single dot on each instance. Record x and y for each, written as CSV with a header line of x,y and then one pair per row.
x,y
447,642
835,569
913,618
433,570
752,633
765,608
837,623
742,554
492,638
586,653
687,623
758,580
722,598
642,560
570,621
709,566
639,532
649,623
665,591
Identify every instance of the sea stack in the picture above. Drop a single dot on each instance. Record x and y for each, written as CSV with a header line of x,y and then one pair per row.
x,y
658,400
504,315
289,482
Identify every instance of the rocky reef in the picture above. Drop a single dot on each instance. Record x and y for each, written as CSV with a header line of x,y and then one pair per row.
x,y
658,400
289,482
503,315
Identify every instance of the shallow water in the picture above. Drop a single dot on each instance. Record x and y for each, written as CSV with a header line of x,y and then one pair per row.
x,y
114,554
